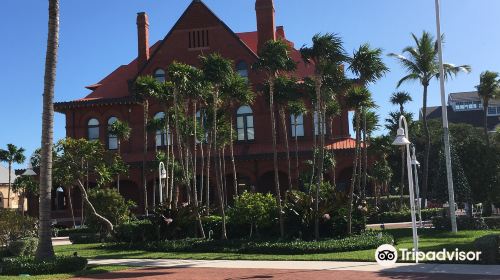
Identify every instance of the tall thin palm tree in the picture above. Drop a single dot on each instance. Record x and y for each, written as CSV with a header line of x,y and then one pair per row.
x,y
327,54
368,65
401,98
421,64
12,155
274,59
488,88
296,108
218,72
122,131
356,98
146,87
45,250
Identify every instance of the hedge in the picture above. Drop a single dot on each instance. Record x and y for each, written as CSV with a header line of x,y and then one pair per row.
x,y
463,223
84,238
402,216
23,247
28,265
64,232
366,240
492,222
489,245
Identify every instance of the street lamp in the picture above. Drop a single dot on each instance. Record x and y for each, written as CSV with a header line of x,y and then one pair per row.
x,y
402,140
162,175
416,164
29,171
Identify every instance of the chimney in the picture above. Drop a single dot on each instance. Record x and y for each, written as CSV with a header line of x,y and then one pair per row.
x,y
142,40
265,21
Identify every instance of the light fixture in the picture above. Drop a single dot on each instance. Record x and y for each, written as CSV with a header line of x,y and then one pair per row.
x,y
163,173
60,190
29,171
401,139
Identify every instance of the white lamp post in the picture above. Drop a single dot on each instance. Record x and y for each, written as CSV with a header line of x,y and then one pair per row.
x,y
402,140
29,171
162,175
416,164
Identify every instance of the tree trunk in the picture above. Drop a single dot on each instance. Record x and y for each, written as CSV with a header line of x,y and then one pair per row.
x,y
402,190
167,147
296,149
103,219
427,149
195,191
321,162
354,176
118,176
485,114
365,156
45,249
235,178
207,189
9,185
285,133
202,152
70,202
218,181
145,105
275,158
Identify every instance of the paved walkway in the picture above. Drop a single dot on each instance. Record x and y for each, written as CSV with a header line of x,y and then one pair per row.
x,y
455,269
57,241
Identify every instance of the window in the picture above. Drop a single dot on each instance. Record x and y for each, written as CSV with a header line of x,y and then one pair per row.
x,y
198,39
244,124
297,125
242,69
162,137
467,105
493,110
93,129
316,126
160,75
112,139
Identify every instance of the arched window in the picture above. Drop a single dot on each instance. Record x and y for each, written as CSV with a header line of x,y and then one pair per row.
x,y
297,125
112,139
160,75
163,137
93,129
244,124
242,69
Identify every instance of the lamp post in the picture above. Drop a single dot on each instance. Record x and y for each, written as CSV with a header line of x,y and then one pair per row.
x,y
402,140
446,132
162,175
416,164
30,173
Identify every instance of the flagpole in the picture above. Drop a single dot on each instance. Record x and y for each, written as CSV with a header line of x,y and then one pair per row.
x,y
446,131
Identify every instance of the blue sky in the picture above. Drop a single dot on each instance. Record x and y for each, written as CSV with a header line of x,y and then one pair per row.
x,y
97,36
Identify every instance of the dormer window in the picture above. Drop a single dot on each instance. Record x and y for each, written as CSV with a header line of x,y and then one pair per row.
x,y
160,75
198,39
242,69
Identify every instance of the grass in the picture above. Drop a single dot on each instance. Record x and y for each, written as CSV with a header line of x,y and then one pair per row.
x,y
430,239
89,271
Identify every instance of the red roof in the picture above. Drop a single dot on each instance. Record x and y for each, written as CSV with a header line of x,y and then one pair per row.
x,y
344,144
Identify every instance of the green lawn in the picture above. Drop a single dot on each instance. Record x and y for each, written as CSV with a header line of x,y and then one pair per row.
x,y
90,270
429,240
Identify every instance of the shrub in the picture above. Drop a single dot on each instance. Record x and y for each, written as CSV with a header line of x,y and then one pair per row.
x,y
489,245
402,216
23,247
367,240
14,226
492,222
110,204
389,204
85,238
463,223
256,210
27,265
135,231
67,231
212,225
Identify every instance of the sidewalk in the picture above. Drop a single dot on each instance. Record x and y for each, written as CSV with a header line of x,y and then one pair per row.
x,y
483,270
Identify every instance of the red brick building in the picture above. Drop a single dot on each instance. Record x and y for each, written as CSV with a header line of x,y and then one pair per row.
x,y
199,31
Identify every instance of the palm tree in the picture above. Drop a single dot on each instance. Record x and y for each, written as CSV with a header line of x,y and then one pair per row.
x,y
357,97
146,87
367,64
218,72
12,155
296,108
401,98
488,88
122,132
274,58
327,54
45,249
422,65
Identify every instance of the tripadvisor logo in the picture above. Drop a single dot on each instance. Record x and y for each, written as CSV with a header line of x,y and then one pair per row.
x,y
386,255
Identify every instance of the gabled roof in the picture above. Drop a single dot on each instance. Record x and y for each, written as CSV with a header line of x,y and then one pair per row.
x,y
4,175
472,117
